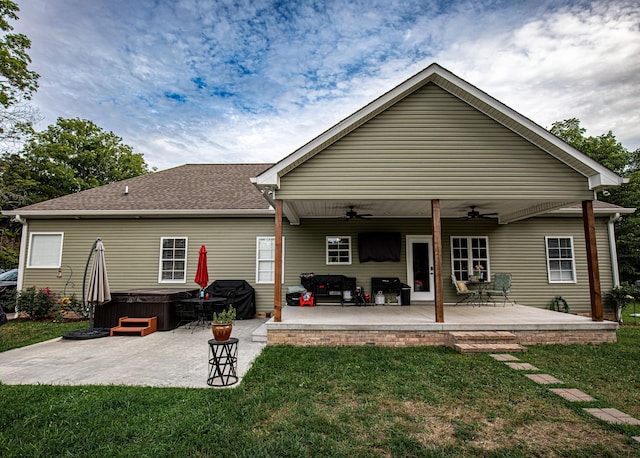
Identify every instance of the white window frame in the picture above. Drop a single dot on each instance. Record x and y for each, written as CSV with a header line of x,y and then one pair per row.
x,y
161,259
271,260
470,259
340,238
560,259
57,263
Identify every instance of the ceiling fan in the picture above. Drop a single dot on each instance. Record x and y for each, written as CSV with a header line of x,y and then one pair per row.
x,y
351,214
474,214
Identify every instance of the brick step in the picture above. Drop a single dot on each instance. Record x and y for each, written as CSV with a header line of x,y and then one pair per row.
x,y
483,337
132,326
489,348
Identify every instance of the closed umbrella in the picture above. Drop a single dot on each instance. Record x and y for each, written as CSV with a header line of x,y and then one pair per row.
x,y
202,273
98,291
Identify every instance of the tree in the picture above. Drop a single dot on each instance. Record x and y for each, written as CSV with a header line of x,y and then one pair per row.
x,y
73,155
610,153
70,156
17,81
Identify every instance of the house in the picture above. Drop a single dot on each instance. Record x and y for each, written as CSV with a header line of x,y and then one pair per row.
x,y
451,177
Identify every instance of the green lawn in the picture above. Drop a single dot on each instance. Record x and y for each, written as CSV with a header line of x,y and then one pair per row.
x,y
344,402
17,334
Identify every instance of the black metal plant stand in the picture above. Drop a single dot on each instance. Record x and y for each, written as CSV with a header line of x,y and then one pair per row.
x,y
223,362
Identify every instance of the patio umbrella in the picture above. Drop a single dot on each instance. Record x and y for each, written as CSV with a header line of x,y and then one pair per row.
x,y
98,291
202,273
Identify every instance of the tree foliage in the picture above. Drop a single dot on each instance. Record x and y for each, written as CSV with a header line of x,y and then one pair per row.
x,y
17,81
610,153
69,156
73,155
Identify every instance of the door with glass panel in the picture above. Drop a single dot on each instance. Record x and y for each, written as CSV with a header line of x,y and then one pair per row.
x,y
420,275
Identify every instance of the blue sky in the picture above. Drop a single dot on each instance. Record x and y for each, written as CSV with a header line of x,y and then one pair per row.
x,y
198,81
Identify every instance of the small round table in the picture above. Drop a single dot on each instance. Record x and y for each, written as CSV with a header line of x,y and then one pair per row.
x,y
223,362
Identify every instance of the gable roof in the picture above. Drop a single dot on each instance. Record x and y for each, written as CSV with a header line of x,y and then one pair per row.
x,y
599,176
190,190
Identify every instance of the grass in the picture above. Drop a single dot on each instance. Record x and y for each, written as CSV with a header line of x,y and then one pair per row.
x,y
17,334
344,402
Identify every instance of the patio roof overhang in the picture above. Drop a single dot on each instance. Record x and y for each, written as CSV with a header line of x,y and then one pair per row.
x,y
506,210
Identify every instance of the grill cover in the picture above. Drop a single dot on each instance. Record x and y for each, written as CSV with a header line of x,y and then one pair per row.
x,y
244,301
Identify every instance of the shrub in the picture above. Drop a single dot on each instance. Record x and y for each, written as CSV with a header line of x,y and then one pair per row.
x,y
621,296
38,303
8,300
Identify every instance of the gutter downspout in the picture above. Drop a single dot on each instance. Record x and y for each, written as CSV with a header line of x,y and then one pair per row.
x,y
22,261
613,251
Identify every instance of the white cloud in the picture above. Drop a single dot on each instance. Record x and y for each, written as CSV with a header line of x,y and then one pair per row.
x,y
197,81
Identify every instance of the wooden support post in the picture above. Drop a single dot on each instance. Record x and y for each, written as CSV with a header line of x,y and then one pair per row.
x,y
592,260
436,228
277,277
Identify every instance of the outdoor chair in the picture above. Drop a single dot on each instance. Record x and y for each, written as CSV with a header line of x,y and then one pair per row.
x,y
501,288
467,295
186,313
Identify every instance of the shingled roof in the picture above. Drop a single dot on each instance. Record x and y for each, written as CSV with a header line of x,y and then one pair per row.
x,y
192,189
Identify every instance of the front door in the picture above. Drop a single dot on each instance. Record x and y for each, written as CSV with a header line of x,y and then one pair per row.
x,y
420,267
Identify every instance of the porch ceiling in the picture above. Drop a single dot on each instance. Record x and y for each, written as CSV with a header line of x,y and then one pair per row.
x,y
506,210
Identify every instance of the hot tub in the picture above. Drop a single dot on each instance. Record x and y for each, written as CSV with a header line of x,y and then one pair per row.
x,y
143,303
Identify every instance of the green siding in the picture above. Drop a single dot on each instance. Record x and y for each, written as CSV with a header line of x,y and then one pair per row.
x,y
433,145
133,247
517,248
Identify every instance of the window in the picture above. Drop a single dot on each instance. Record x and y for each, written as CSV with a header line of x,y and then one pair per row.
x,y
173,260
468,252
45,250
338,250
560,262
265,259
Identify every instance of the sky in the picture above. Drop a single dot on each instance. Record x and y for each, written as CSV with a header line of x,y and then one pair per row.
x,y
246,81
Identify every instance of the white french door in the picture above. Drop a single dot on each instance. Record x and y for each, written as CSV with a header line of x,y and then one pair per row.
x,y
420,273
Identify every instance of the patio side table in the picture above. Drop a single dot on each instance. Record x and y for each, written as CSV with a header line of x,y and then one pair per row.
x,y
223,362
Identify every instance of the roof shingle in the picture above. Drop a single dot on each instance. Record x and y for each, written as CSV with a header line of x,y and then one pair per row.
x,y
191,187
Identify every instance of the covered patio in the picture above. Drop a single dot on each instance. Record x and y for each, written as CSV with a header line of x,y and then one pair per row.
x,y
415,325
464,183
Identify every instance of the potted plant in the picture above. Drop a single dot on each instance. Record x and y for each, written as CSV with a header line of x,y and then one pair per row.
x,y
222,323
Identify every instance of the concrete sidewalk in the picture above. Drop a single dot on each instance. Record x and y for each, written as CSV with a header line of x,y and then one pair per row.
x,y
176,358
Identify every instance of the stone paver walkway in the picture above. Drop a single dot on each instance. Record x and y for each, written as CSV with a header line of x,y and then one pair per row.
x,y
573,395
543,379
522,366
570,394
504,357
613,416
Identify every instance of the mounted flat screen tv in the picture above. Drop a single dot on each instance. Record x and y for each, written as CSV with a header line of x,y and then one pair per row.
x,y
379,246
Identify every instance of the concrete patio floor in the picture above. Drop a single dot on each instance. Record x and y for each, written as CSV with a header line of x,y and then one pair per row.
x,y
176,358
415,325
422,317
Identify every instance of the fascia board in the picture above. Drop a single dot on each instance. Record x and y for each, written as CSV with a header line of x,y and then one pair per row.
x,y
42,214
271,176
602,175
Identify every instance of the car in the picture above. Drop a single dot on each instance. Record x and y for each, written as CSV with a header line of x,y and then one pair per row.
x,y
8,284
9,279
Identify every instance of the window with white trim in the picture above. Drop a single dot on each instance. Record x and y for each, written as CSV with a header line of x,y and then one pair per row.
x,y
466,254
266,259
338,249
173,260
561,265
45,250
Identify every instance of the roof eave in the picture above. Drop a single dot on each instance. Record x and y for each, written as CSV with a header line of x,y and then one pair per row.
x,y
599,178
596,211
80,214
